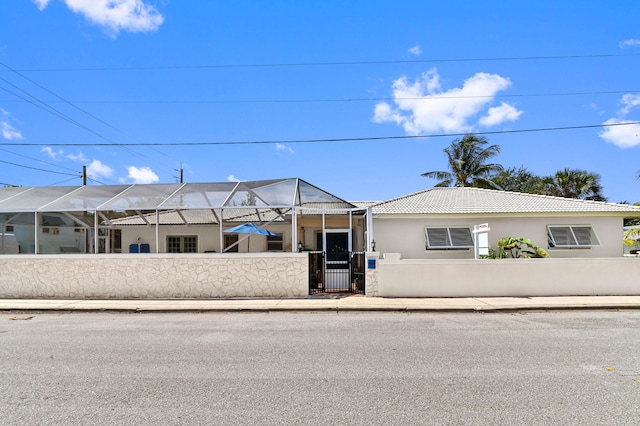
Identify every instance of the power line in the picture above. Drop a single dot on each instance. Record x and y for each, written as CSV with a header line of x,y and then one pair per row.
x,y
425,98
38,160
57,96
45,106
333,63
359,139
39,169
58,183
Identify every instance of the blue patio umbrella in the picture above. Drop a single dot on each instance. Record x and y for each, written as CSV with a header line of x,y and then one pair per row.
x,y
249,228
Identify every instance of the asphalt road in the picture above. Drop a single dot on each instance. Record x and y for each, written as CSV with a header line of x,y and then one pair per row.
x,y
572,367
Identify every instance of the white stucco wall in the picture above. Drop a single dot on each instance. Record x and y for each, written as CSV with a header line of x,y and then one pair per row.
x,y
406,235
208,237
207,275
507,277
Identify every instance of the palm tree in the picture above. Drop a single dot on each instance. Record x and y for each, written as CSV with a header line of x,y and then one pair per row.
x,y
574,183
467,159
518,180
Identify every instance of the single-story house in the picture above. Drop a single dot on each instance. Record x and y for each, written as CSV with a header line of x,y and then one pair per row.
x,y
173,241
438,223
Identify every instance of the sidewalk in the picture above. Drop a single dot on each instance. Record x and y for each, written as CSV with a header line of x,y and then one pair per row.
x,y
346,304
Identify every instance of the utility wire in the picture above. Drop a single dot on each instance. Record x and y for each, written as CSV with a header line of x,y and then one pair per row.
x,y
77,175
97,181
38,160
57,96
58,183
43,105
333,63
434,97
359,139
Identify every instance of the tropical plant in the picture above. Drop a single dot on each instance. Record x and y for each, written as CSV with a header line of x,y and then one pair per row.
x,y
519,248
631,237
518,180
467,161
574,183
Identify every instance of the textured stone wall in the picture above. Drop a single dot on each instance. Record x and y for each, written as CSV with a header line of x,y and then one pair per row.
x,y
197,275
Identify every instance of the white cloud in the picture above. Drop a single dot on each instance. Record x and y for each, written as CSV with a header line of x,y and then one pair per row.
x,y
500,114
232,178
6,129
97,169
622,135
8,132
54,155
628,43
422,106
415,50
142,175
116,15
80,157
282,147
41,3
629,101
621,132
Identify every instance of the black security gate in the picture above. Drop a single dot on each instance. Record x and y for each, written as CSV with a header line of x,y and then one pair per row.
x,y
336,272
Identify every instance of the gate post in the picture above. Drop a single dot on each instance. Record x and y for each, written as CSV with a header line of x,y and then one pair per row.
x,y
316,272
371,280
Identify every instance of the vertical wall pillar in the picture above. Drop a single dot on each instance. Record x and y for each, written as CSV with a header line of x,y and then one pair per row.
x,y
221,220
294,230
369,219
36,226
371,274
157,231
96,235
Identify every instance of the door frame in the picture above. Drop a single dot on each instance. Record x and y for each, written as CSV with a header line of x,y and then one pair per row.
x,y
326,231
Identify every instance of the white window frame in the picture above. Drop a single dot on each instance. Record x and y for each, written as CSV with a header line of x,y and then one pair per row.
x,y
450,243
182,241
274,241
575,242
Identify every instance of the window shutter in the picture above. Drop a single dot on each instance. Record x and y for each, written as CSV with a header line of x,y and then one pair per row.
x,y
437,237
572,236
583,235
456,237
561,236
461,237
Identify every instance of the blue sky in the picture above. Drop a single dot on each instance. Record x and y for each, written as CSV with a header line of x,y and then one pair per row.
x,y
80,79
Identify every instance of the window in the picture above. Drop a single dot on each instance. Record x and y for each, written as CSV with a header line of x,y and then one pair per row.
x,y
182,244
52,231
8,228
230,239
274,242
571,236
448,237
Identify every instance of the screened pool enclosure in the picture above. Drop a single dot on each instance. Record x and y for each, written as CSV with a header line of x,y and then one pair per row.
x,y
178,218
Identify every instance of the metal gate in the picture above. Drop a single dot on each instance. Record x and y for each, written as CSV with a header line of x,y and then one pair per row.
x,y
342,272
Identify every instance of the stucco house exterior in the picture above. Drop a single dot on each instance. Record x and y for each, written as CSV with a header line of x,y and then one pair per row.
x,y
438,223
170,241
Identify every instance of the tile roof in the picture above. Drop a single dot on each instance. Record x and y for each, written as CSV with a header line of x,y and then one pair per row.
x,y
482,201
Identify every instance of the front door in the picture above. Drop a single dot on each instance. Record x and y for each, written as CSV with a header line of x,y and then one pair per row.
x,y
336,260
